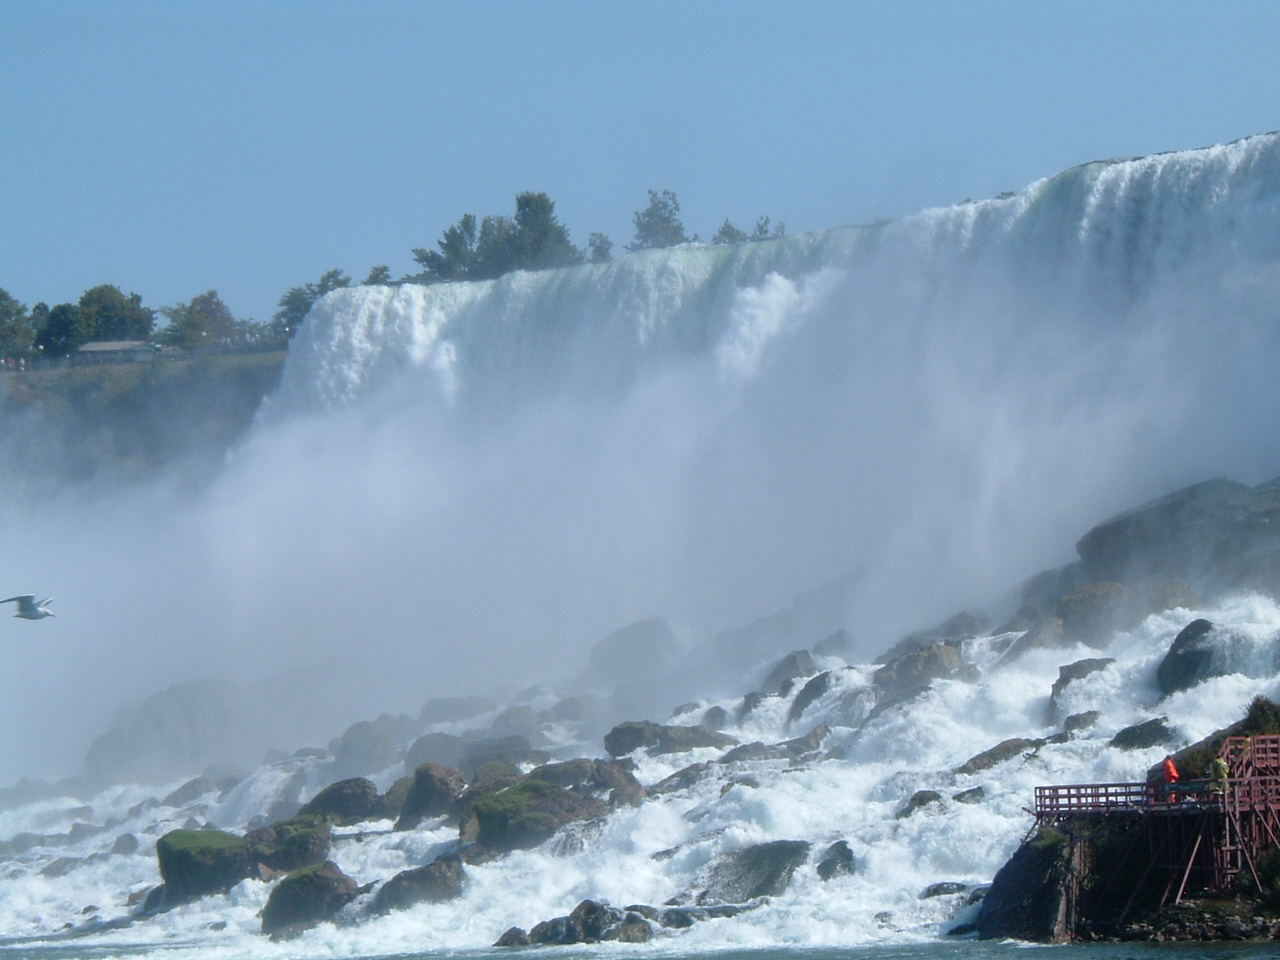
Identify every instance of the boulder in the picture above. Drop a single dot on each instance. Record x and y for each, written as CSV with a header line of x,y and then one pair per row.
x,y
1046,634
1030,896
796,749
593,777
793,666
582,708
661,739
345,802
682,779
442,749
837,644
808,694
959,627
1150,733
196,863
366,747
519,721
393,800
291,844
716,718
972,795
1093,613
593,920
513,937
1076,671
125,844
943,888
748,705
513,749
837,860
190,791
919,799
633,929
433,792
306,897
1190,659
1080,721
763,870
912,673
1002,751
437,882
527,813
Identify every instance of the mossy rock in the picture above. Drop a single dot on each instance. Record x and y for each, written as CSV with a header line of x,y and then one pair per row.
x,y
196,863
291,844
307,896
345,802
528,813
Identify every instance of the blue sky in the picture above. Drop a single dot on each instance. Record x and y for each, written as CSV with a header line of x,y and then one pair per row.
x,y
249,146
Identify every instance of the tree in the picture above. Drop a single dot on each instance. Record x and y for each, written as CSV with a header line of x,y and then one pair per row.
x,y
454,258
600,247
110,315
728,233
204,322
296,302
16,334
540,241
658,224
62,330
379,276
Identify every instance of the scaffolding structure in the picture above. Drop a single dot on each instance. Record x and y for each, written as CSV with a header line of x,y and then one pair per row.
x,y
1202,833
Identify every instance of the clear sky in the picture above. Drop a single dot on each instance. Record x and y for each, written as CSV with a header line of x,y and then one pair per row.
x,y
249,146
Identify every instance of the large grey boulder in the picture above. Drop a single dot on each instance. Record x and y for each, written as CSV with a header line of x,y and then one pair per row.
x,y
1071,672
442,749
912,673
434,791
790,668
438,881
307,896
1190,659
347,801
760,871
1029,898
196,863
660,738
366,747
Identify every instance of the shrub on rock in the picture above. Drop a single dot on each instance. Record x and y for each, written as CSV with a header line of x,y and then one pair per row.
x,y
195,863
528,813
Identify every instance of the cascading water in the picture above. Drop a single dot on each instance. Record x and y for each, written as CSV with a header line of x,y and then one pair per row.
x,y
938,405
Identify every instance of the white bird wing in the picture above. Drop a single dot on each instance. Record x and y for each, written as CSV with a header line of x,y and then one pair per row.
x,y
29,598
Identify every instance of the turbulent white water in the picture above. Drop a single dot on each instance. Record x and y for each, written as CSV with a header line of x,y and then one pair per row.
x,y
467,483
911,747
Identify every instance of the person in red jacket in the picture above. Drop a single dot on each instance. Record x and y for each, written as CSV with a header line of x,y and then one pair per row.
x,y
1170,778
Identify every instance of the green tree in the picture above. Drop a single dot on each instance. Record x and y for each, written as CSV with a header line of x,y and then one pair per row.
x,y
729,234
454,258
296,302
495,249
762,231
600,247
540,241
16,334
658,224
62,330
379,276
204,322
110,315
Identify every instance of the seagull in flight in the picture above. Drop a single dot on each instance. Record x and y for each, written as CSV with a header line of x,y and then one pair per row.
x,y
28,609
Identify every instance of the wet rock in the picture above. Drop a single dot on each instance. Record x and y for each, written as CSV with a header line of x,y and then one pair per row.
x,y
960,626
125,844
511,750
593,777
593,920
809,694
793,666
527,813
748,705
1094,612
437,882
61,867
919,800
520,721
306,897
434,791
442,749
1080,721
682,779
366,747
837,644
763,870
912,673
1028,899
557,930
972,795
1190,658
1002,751
513,937
1140,736
944,888
188,792
196,863
1045,634
290,844
661,739
633,929
716,718
837,860
1076,671
393,800
345,802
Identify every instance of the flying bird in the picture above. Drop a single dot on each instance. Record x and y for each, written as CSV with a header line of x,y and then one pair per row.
x,y
28,609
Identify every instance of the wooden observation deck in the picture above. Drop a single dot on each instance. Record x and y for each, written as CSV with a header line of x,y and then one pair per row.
x,y
1197,831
